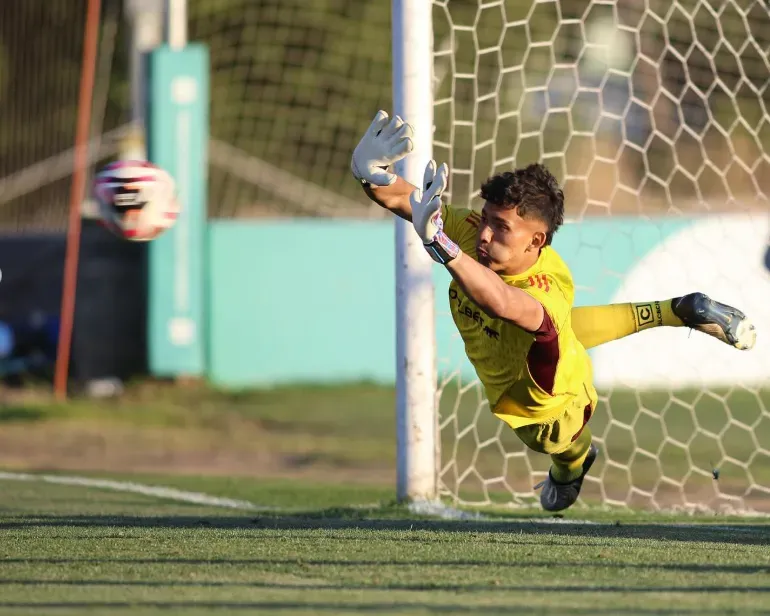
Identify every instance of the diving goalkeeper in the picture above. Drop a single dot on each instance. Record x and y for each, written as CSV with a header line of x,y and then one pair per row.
x,y
512,296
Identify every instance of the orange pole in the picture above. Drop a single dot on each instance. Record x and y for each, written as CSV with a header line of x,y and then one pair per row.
x,y
77,193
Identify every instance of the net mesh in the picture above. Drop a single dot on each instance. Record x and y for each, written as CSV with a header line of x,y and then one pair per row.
x,y
41,47
654,110
294,85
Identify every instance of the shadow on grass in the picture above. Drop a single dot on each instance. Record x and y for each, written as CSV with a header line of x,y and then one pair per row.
x,y
340,607
21,414
597,564
362,519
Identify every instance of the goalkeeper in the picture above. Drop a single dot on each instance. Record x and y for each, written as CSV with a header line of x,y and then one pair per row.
x,y
511,299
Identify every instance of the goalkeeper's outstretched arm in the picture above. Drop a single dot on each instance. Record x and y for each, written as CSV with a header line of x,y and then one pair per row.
x,y
487,290
394,198
386,142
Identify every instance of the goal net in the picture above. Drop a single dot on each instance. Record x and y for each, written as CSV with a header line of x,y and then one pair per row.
x,y
654,116
41,54
293,84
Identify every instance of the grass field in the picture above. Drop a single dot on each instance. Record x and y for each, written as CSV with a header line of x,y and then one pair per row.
x,y
667,451
337,548
316,529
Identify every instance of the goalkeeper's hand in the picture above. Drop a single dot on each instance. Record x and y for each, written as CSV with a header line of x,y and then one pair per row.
x,y
383,144
426,214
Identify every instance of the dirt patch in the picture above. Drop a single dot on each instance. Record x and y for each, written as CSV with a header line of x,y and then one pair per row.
x,y
63,445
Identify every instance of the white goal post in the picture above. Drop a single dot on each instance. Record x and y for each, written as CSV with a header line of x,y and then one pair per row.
x,y
417,421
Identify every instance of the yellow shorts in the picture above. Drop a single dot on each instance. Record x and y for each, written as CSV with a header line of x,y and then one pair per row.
x,y
556,434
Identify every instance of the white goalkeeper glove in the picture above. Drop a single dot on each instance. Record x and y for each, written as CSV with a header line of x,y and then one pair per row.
x,y
426,214
383,144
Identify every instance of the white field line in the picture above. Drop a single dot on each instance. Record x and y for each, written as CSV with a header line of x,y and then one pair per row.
x,y
442,511
173,494
419,508
426,508
436,509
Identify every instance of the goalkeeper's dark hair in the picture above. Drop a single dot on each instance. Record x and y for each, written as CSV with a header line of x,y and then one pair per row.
x,y
532,191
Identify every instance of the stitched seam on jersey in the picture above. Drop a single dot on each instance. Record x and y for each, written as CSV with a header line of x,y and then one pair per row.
x,y
530,420
559,326
587,414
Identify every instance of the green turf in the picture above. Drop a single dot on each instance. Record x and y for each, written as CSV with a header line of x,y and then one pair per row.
x,y
351,426
81,550
679,437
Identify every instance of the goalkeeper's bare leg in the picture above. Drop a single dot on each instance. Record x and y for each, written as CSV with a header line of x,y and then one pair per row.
x,y
595,325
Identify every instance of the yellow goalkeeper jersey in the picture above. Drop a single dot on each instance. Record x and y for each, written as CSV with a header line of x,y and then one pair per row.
x,y
528,378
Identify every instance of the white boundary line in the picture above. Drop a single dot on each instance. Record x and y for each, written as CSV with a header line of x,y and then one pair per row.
x,y
173,494
442,511
426,508
429,508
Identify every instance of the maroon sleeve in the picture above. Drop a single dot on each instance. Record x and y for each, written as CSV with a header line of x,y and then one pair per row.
x,y
543,356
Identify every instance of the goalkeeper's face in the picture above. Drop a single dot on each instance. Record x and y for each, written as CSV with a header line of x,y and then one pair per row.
x,y
507,243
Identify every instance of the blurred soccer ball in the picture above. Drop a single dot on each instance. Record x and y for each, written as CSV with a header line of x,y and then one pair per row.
x,y
136,199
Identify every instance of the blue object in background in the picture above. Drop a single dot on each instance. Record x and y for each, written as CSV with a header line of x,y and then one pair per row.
x,y
29,346
6,340
767,257
177,141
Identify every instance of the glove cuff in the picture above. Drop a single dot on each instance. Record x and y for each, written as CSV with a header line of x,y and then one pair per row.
x,y
442,249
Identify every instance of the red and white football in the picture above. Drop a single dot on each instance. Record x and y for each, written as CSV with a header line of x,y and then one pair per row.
x,y
136,199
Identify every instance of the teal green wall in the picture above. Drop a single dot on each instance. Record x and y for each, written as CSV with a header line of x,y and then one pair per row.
x,y
313,300
177,138
300,301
